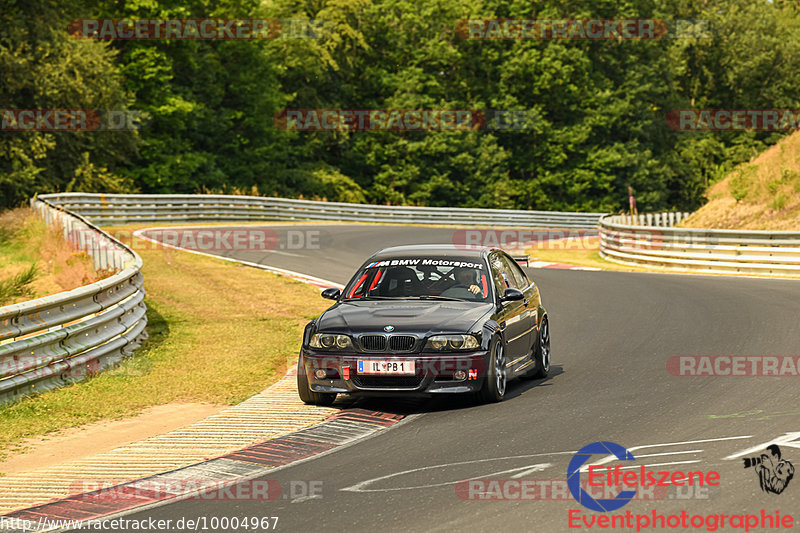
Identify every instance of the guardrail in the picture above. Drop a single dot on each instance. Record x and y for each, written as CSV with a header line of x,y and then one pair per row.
x,y
651,240
127,208
63,338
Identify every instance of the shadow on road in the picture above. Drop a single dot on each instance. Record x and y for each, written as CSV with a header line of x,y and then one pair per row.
x,y
406,406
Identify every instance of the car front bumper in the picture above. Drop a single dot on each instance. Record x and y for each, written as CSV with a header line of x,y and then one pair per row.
x,y
434,374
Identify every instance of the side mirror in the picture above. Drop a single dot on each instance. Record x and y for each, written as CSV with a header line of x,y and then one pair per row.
x,y
511,295
332,293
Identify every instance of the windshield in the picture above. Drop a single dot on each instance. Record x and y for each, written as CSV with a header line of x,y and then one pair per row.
x,y
421,278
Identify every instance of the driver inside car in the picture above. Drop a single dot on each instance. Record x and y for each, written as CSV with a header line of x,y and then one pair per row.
x,y
465,286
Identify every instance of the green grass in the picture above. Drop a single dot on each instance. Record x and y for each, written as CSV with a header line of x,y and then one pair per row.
x,y
741,182
18,260
779,202
16,228
18,285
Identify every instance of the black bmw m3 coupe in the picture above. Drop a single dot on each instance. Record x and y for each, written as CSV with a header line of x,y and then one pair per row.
x,y
424,320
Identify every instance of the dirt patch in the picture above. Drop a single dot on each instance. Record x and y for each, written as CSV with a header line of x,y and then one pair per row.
x,y
68,267
99,437
762,194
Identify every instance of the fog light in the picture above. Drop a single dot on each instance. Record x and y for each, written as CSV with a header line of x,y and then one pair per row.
x,y
459,374
320,373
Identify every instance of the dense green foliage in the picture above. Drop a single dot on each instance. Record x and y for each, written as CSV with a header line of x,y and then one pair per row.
x,y
599,106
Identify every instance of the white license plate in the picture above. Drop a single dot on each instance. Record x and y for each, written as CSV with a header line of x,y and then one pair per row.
x,y
386,368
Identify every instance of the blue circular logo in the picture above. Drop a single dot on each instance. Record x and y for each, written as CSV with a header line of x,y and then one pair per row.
x,y
388,328
574,476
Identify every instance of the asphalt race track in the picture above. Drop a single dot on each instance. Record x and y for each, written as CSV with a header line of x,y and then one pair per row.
x,y
612,334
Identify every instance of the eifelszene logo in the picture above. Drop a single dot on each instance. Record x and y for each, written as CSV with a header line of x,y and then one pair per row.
x,y
606,479
574,476
774,473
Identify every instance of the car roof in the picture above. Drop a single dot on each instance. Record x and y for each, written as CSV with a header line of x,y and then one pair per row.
x,y
438,250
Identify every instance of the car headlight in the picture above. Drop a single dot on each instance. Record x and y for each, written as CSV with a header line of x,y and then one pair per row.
x,y
452,342
330,341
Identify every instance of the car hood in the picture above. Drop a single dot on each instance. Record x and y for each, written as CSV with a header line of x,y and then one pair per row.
x,y
420,317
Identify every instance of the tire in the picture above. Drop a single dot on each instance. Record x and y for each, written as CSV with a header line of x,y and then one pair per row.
x,y
306,394
496,383
542,354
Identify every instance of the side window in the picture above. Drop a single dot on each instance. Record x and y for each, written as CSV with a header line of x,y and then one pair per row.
x,y
520,279
502,279
365,283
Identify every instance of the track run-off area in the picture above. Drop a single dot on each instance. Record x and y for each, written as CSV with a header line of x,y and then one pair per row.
x,y
613,335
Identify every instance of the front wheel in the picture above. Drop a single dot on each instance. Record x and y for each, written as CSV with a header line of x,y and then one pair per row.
x,y
306,394
494,387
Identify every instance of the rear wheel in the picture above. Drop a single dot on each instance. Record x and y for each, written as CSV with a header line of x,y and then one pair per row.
x,y
542,355
306,394
494,387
